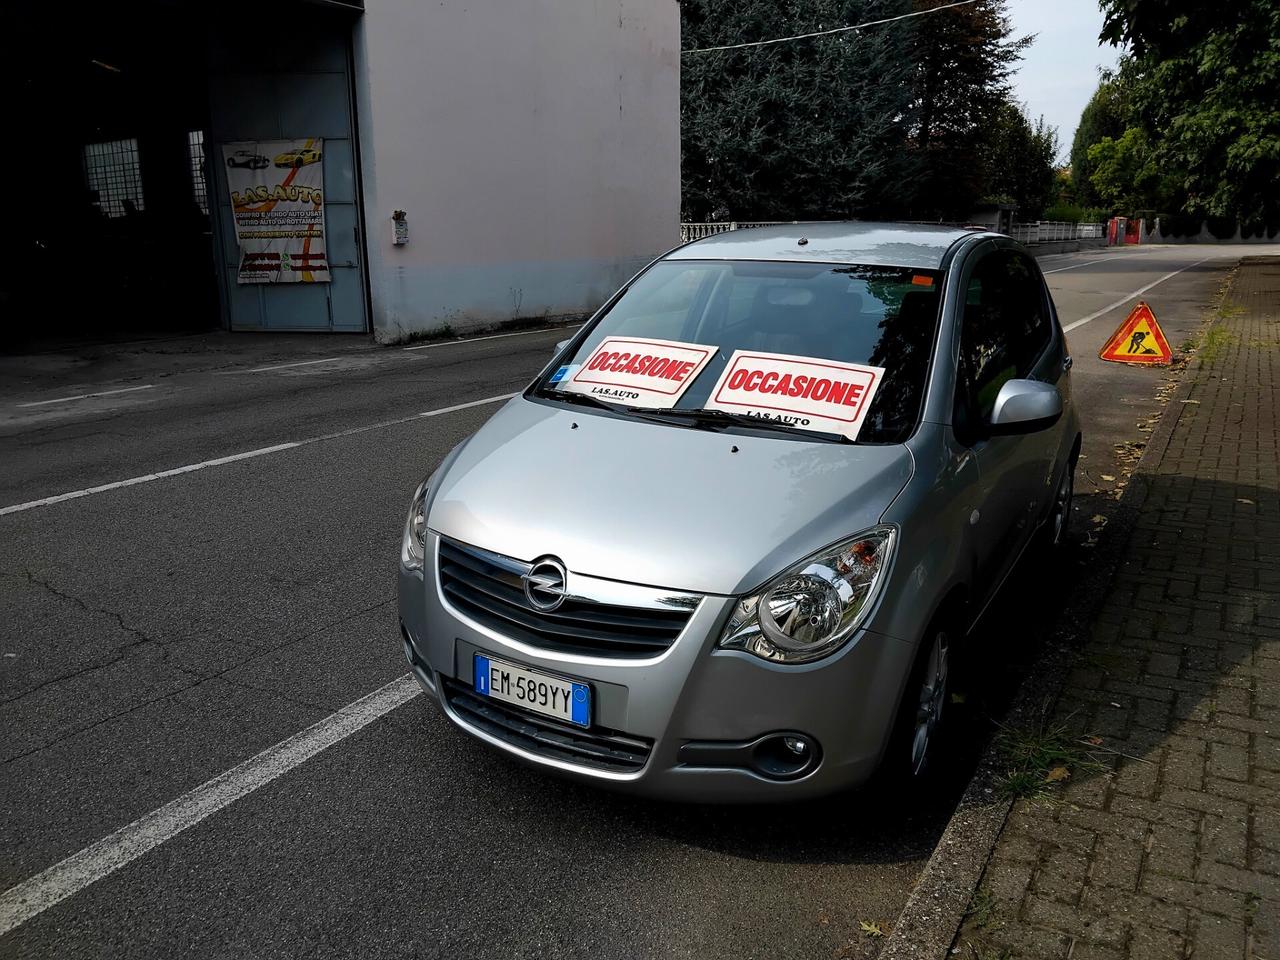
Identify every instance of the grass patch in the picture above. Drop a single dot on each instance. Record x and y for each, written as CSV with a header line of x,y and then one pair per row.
x,y
983,911
1039,758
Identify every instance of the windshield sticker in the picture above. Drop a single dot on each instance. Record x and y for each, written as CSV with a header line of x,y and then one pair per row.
x,y
563,372
806,392
640,373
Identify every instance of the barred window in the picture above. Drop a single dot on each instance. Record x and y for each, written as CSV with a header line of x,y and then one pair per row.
x,y
112,169
199,187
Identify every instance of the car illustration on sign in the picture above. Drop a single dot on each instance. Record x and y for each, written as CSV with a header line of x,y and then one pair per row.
x,y
730,543
248,159
298,158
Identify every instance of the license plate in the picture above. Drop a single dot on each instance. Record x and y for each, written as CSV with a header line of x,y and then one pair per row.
x,y
533,690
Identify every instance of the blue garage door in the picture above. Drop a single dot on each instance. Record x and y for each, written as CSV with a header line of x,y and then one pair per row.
x,y
290,85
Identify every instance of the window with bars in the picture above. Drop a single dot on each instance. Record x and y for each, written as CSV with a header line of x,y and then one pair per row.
x,y
199,186
112,169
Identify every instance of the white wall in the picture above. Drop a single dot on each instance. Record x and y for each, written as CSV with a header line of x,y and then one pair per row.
x,y
535,146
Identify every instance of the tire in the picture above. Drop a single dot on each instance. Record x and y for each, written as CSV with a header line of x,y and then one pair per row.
x,y
909,758
1057,528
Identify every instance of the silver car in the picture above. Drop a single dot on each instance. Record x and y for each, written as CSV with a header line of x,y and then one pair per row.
x,y
726,546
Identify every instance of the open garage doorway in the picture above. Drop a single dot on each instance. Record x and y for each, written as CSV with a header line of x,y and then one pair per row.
x,y
120,222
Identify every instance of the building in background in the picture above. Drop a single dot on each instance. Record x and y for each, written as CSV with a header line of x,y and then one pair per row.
x,y
479,161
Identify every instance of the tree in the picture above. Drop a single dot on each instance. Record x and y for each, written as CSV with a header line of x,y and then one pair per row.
x,y
1125,176
1205,86
1020,162
1106,115
963,60
813,128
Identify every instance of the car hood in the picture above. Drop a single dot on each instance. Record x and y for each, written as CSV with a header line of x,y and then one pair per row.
x,y
648,503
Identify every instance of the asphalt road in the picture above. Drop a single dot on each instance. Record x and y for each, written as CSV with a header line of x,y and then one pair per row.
x,y
158,634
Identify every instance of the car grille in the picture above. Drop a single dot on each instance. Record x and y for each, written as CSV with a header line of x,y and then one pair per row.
x,y
489,590
600,748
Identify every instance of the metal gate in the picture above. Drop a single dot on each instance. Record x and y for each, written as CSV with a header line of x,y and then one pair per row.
x,y
287,86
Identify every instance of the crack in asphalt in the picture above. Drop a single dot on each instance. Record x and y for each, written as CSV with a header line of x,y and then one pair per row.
x,y
220,675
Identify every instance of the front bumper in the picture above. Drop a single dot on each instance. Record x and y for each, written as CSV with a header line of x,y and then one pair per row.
x,y
689,694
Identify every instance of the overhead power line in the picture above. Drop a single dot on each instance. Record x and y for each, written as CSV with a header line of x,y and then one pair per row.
x,y
827,33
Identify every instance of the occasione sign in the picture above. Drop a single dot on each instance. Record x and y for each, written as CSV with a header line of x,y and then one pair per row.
x,y
814,394
640,372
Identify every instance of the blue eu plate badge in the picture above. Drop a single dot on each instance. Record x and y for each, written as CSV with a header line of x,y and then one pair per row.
x,y
565,700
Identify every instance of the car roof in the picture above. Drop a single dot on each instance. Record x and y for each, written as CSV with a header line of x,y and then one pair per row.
x,y
923,246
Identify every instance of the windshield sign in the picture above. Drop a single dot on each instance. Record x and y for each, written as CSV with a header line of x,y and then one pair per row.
x,y
800,391
842,346
640,373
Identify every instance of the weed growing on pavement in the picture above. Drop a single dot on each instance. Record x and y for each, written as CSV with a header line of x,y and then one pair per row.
x,y
1218,338
1039,757
978,951
983,910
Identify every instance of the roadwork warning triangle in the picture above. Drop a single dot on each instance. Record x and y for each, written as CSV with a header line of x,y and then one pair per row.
x,y
1138,340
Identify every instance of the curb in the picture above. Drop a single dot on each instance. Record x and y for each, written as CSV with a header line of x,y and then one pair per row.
x,y
927,927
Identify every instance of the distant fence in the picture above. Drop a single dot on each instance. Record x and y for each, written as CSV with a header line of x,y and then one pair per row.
x,y
1041,231
696,231
1047,231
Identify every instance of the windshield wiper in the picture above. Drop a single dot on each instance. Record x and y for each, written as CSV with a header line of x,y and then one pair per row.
x,y
708,417
581,399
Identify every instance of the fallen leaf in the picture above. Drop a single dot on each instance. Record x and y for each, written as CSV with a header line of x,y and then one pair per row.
x,y
871,928
1057,774
1098,518
1243,500
1107,476
824,919
1096,741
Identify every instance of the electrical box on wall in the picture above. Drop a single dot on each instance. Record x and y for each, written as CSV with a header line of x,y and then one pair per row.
x,y
399,228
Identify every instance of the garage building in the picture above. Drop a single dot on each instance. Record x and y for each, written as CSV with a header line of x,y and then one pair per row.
x,y
479,161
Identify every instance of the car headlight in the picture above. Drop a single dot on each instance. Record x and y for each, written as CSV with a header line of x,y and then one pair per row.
x,y
413,549
810,610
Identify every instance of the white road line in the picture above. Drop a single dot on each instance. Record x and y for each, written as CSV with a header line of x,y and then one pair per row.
x,y
1077,266
86,396
495,336
101,859
283,366
1137,293
247,455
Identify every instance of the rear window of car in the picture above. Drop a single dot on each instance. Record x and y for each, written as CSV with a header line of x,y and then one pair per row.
x,y
879,316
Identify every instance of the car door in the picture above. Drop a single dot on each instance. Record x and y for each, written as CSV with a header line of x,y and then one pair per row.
x,y
1005,333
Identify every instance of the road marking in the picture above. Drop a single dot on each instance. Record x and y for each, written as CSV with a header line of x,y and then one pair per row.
x,y
86,396
101,859
495,336
283,366
247,455
1077,266
1127,297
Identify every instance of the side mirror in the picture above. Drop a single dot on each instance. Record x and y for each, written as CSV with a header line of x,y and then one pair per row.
x,y
1025,406
560,346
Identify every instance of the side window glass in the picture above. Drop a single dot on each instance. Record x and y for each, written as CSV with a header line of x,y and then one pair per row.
x,y
1026,311
988,345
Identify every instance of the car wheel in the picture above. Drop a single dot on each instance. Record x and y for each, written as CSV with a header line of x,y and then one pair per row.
x,y
1059,522
913,744
930,702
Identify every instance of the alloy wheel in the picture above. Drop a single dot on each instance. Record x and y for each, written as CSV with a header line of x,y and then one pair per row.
x,y
1062,505
932,700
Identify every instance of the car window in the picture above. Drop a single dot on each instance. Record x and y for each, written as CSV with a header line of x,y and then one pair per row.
x,y
1005,330
879,316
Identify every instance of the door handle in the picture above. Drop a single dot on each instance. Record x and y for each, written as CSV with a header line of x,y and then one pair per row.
x,y
1067,362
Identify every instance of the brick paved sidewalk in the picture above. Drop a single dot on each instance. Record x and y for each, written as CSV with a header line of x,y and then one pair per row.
x,y
1176,852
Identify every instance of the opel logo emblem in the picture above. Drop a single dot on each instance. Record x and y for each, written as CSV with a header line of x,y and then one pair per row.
x,y
544,584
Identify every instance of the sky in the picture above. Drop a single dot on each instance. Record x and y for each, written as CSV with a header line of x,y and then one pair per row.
x,y
1059,72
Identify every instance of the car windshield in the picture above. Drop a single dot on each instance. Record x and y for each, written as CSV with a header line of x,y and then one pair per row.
x,y
876,316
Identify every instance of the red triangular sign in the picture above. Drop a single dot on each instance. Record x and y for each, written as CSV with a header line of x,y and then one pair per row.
x,y
1138,340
